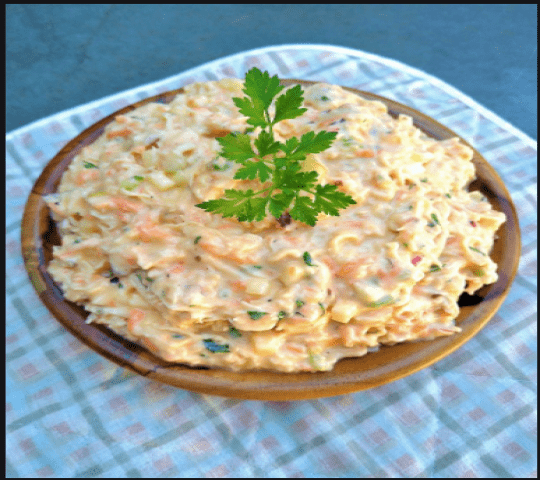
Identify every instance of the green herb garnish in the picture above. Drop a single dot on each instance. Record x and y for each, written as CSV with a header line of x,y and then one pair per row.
x,y
324,98
299,303
281,177
130,185
177,336
424,180
89,165
478,272
233,332
197,239
214,347
281,314
434,268
448,195
322,307
477,251
308,259
386,300
435,219
256,315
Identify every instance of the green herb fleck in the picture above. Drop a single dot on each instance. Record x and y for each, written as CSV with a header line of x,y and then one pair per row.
x,y
322,307
477,251
448,195
138,178
221,168
257,266
386,300
424,180
308,260
299,303
435,219
197,240
314,360
324,98
256,315
233,332
434,268
177,336
405,244
214,347
282,314
78,240
89,165
478,272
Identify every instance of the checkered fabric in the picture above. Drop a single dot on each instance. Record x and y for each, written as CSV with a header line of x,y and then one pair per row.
x,y
71,413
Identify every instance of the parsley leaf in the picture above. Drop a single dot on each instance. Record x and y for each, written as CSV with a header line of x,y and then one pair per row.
x,y
256,315
214,347
275,164
287,105
308,260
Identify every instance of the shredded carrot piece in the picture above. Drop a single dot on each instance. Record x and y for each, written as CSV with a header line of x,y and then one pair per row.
x,y
125,132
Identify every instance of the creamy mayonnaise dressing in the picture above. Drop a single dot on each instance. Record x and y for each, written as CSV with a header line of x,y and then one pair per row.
x,y
199,289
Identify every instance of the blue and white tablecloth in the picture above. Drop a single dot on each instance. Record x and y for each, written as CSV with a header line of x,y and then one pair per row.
x,y
72,413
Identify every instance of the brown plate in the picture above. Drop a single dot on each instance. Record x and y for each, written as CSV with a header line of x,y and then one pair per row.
x,y
390,363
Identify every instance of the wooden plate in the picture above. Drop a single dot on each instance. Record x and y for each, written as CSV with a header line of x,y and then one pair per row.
x,y
390,363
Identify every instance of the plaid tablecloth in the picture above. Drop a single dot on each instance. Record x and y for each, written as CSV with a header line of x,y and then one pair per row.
x,y
71,413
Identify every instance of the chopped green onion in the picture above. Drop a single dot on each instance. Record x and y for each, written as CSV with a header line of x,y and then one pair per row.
x,y
130,185
435,219
257,266
197,240
308,260
256,315
314,360
386,300
477,251
448,195
89,165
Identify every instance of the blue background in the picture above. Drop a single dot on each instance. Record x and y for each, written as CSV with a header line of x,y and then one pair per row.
x,y
60,56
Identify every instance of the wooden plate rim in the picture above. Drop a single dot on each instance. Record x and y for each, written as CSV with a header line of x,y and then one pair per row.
x,y
349,375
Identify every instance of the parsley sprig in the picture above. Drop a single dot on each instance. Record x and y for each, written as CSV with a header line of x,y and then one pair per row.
x,y
275,164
